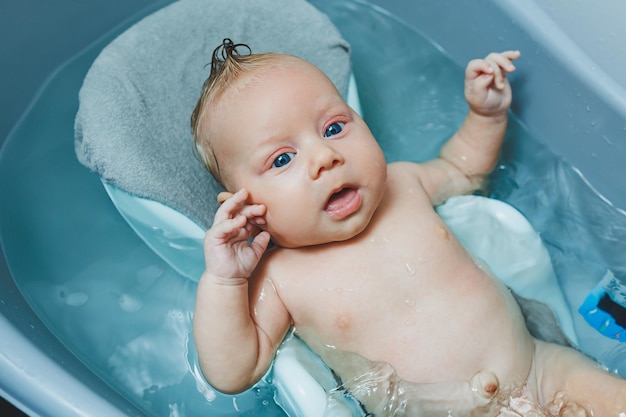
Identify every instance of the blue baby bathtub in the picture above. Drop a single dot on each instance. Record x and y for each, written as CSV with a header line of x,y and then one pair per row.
x,y
562,99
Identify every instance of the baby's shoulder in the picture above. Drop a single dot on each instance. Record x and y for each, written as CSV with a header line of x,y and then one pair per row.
x,y
404,175
277,260
404,171
286,268
401,166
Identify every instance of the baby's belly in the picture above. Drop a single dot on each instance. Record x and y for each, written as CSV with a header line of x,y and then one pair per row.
x,y
447,331
468,332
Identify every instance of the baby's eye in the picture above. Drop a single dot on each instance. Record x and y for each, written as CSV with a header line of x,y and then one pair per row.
x,y
283,159
334,129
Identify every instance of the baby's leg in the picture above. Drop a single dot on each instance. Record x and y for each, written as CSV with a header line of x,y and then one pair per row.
x,y
571,384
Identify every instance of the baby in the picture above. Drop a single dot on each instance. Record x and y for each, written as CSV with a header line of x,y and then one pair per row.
x,y
360,264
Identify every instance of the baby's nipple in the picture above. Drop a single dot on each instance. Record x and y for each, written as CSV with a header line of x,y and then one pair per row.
x,y
343,321
443,233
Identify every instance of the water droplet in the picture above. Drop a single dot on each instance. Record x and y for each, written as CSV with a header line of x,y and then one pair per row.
x,y
235,404
176,314
148,275
129,304
410,268
76,299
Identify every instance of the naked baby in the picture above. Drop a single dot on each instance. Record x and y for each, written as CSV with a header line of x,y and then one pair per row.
x,y
360,264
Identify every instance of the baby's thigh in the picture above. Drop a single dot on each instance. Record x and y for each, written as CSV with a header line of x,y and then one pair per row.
x,y
568,380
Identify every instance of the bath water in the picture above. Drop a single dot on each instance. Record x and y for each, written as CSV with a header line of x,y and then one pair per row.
x,y
127,315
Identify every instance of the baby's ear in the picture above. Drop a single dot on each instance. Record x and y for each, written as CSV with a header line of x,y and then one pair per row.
x,y
223,196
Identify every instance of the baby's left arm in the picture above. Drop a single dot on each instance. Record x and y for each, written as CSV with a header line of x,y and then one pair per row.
x,y
471,154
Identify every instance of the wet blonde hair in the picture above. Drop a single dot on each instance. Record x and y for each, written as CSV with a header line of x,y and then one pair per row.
x,y
228,64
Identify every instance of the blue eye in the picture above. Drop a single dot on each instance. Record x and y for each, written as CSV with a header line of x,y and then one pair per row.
x,y
283,159
334,129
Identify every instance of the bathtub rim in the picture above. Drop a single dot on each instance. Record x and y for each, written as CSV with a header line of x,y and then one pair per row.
x,y
49,365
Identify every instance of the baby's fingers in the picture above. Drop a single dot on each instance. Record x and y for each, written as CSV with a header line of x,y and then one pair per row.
x,y
492,69
511,55
476,68
230,206
260,242
235,204
254,213
234,229
501,64
503,60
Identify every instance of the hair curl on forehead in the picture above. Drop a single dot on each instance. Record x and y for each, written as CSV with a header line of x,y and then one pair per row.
x,y
230,61
221,54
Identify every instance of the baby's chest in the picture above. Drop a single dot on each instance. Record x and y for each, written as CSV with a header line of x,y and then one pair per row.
x,y
407,271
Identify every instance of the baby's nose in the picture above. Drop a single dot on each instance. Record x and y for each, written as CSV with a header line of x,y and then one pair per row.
x,y
324,158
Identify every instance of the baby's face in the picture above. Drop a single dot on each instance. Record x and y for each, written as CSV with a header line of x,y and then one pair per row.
x,y
288,137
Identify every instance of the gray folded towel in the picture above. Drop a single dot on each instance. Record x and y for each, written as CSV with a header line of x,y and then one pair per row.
x,y
132,126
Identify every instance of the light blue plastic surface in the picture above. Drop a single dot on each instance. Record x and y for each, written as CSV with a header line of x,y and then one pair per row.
x,y
578,116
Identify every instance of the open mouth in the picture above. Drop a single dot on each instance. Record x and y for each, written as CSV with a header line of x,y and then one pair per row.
x,y
343,202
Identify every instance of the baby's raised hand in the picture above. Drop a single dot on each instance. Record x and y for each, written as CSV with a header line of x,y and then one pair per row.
x,y
487,88
234,244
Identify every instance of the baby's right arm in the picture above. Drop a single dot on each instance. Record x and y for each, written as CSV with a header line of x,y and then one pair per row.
x,y
472,152
235,347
